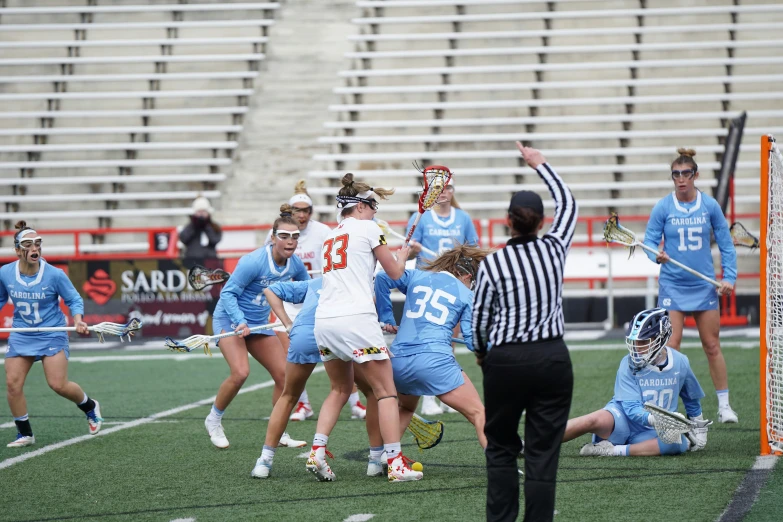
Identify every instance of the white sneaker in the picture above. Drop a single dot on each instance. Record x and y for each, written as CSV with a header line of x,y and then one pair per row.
x,y
303,411
94,419
317,465
376,468
358,410
288,442
446,408
399,471
429,406
599,449
21,441
727,416
216,433
262,468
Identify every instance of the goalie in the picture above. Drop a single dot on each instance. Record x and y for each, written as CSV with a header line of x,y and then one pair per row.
x,y
651,372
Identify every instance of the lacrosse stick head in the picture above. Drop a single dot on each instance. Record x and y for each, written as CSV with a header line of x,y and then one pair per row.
x,y
647,335
740,236
427,433
201,277
120,330
670,426
614,232
188,345
436,177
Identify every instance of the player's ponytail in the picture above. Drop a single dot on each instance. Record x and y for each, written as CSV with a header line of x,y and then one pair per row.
x,y
460,260
685,157
352,187
286,217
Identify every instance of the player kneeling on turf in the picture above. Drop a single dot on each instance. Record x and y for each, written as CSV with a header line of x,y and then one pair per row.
x,y
651,373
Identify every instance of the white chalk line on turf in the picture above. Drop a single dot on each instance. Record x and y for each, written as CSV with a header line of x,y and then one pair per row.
x,y
7,463
359,517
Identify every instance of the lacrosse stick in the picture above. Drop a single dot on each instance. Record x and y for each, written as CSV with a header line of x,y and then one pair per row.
x,y
671,425
202,341
427,433
391,232
741,237
436,177
120,330
201,277
614,232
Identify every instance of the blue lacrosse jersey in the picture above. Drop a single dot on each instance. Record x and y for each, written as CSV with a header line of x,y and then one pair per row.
x,y
685,229
36,301
434,303
440,234
659,385
305,293
242,298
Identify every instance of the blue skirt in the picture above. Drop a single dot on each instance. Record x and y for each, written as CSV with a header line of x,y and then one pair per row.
x,y
428,373
303,348
688,298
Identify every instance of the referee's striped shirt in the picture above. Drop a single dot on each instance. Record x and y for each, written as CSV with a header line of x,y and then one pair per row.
x,y
519,288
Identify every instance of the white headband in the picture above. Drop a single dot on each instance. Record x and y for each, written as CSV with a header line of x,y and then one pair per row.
x,y
300,198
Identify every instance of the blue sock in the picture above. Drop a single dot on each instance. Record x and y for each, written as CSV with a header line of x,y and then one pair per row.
x,y
216,412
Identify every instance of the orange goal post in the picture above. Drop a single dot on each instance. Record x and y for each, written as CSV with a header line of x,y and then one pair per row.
x,y
771,297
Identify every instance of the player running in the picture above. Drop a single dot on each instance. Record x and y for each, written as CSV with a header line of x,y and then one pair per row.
x,y
242,304
438,297
346,324
651,372
35,288
684,220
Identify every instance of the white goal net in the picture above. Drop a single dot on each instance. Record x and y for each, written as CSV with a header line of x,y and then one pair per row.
x,y
774,301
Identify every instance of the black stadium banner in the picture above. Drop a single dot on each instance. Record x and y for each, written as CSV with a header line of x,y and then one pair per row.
x,y
155,291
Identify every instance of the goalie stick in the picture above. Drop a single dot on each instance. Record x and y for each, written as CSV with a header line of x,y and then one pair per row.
x,y
671,425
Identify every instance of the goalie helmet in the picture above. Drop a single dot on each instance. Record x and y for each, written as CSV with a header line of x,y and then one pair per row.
x,y
648,332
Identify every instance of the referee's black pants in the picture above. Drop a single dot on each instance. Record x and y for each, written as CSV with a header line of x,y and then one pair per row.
x,y
535,377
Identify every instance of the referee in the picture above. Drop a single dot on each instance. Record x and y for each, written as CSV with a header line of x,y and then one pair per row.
x,y
518,337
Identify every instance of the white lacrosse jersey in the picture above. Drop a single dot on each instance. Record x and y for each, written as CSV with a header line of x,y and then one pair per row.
x,y
348,267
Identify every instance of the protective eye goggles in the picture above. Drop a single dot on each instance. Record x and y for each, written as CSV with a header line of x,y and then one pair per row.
x,y
28,242
285,236
305,210
687,173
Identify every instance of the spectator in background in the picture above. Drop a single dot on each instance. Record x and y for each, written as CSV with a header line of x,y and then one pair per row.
x,y
201,235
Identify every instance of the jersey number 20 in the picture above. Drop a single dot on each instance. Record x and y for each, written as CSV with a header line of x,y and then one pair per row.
x,y
340,245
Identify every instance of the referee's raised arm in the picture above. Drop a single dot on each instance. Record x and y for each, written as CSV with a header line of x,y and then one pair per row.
x,y
518,332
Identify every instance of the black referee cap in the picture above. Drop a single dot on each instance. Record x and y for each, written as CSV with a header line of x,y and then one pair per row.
x,y
527,199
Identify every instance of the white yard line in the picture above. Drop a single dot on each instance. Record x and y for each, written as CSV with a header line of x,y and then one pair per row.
x,y
359,517
7,463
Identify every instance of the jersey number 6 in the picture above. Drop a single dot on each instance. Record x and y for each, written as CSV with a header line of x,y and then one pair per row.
x,y
341,256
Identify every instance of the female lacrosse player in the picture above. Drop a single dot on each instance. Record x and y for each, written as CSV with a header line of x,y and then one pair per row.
x,y
652,372
438,297
346,324
684,220
440,229
241,305
35,288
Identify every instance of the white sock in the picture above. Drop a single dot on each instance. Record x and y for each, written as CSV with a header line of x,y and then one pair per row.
x,y
376,453
621,451
304,398
268,454
320,439
354,398
84,400
393,450
723,398
216,414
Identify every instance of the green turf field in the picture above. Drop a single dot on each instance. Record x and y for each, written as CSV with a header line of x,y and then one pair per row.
x,y
168,469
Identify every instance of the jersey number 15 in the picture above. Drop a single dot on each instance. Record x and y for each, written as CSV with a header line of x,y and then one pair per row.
x,y
340,245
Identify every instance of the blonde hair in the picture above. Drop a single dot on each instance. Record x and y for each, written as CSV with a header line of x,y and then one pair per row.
x,y
352,188
685,157
460,260
301,188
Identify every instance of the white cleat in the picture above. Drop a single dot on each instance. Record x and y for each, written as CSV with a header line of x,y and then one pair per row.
x,y
358,410
288,442
727,416
599,449
262,469
430,407
317,465
376,468
399,471
303,411
216,433
21,441
94,419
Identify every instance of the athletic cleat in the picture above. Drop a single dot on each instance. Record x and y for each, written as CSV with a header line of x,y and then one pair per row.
x,y
430,407
262,469
288,442
216,433
22,441
376,468
303,411
399,470
727,416
358,410
317,465
94,419
599,449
